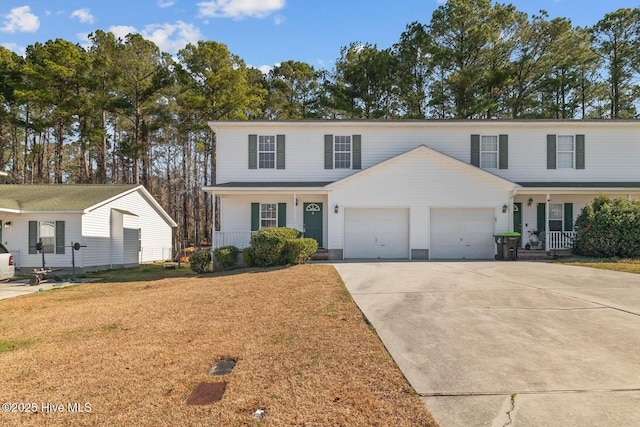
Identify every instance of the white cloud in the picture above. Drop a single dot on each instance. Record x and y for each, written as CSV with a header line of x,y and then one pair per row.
x,y
168,37
121,31
165,3
321,63
278,19
84,15
172,37
239,9
264,68
22,20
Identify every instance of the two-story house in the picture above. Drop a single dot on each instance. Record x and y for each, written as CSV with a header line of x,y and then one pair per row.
x,y
419,189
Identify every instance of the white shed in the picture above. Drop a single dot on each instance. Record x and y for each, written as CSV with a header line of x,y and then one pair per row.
x,y
118,225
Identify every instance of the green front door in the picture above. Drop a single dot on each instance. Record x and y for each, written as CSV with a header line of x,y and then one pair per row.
x,y
517,218
313,221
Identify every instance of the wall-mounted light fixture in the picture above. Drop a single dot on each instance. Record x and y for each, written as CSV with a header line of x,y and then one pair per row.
x,y
335,208
530,201
7,224
504,208
296,201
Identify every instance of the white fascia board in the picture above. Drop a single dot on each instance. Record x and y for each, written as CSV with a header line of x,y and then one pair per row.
x,y
575,190
265,190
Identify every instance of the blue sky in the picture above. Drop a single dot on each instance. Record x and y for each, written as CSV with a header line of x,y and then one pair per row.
x,y
262,32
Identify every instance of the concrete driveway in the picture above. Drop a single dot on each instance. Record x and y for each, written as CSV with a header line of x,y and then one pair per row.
x,y
509,343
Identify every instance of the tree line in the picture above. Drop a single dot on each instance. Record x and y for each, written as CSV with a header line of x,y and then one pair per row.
x,y
121,111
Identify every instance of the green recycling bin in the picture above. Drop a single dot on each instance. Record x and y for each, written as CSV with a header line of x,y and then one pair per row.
x,y
507,245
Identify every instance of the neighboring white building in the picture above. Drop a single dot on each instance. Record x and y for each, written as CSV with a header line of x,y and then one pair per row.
x,y
419,189
120,225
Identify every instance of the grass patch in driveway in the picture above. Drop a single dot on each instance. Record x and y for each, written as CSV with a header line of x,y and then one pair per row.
x,y
625,265
135,352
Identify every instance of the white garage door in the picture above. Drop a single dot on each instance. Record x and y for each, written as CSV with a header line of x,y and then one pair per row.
x,y
376,233
462,234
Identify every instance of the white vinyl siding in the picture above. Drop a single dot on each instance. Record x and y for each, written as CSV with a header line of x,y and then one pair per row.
x,y
566,151
342,152
266,152
611,155
489,151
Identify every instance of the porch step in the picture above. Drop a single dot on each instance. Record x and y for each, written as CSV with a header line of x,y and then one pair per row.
x,y
320,255
533,255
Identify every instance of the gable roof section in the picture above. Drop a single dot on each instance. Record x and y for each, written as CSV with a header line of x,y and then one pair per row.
x,y
60,197
435,154
72,198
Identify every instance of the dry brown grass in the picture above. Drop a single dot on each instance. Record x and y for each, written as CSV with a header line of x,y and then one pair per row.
x,y
135,351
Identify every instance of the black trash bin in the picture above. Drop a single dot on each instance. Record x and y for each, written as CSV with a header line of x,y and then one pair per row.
x,y
507,246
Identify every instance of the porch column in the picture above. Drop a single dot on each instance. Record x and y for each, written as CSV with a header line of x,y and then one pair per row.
x,y
546,222
295,209
215,220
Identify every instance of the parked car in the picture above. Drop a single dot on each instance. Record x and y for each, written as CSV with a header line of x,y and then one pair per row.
x,y
7,267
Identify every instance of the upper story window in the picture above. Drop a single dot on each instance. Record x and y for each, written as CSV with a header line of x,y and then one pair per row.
x,y
342,151
566,151
266,152
489,151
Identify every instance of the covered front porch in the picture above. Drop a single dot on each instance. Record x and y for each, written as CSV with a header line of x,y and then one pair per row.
x,y
243,210
545,215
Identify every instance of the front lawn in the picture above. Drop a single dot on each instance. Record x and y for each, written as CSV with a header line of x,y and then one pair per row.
x,y
626,265
135,351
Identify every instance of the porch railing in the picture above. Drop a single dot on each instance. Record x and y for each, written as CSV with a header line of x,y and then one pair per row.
x,y
239,239
557,240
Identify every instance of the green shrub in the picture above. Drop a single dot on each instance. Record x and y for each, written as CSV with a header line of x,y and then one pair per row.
x,y
247,256
199,262
227,257
299,251
609,229
268,245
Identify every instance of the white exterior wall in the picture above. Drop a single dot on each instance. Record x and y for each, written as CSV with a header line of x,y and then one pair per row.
x,y
418,182
156,233
16,239
612,149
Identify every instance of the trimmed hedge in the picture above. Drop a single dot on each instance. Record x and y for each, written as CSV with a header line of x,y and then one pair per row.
x,y
199,262
247,256
609,229
227,257
299,251
268,245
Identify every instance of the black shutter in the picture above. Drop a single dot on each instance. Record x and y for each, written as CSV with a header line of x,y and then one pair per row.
x,y
280,152
551,151
328,151
568,217
579,151
60,237
503,150
542,217
255,216
253,151
33,236
475,150
282,214
357,152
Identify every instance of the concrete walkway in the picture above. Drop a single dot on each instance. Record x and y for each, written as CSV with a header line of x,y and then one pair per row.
x,y
21,287
509,343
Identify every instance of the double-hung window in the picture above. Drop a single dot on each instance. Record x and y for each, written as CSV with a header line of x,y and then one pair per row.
x,y
266,151
342,152
489,151
555,217
268,215
50,233
566,151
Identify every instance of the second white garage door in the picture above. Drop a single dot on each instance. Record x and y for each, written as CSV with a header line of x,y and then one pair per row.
x,y
462,234
376,233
